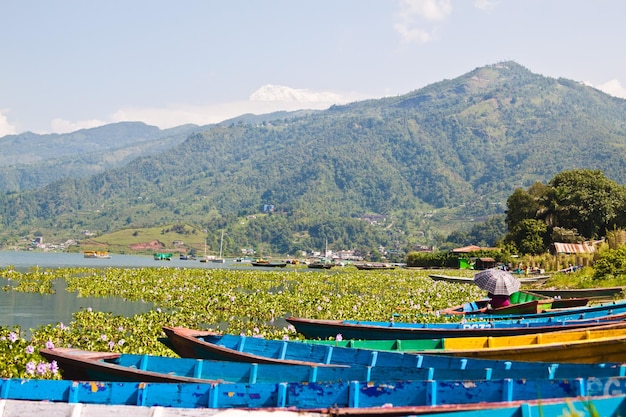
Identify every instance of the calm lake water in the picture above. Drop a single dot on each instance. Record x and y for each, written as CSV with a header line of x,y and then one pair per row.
x,y
30,311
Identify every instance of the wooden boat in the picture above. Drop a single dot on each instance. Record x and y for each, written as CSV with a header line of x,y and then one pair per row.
x,y
95,254
268,264
522,302
610,405
565,314
608,293
162,256
589,346
532,279
354,329
320,264
593,345
305,396
374,266
82,365
213,346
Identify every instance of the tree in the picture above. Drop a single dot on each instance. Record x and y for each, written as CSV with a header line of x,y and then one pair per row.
x,y
588,202
521,206
530,237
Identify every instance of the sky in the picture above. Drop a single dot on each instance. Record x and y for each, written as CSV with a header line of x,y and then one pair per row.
x,y
66,65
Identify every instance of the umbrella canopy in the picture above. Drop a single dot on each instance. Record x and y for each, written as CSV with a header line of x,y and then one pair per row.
x,y
497,281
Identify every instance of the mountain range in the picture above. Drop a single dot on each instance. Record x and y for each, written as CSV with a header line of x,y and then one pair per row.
x,y
390,172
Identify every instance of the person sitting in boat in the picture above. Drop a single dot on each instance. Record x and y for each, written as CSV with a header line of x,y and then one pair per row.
x,y
497,301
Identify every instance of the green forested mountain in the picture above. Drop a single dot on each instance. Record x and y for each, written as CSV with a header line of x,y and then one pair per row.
x,y
29,160
428,162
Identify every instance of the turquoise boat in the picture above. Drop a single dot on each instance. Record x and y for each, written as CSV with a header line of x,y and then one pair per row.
x,y
307,396
372,330
76,364
213,346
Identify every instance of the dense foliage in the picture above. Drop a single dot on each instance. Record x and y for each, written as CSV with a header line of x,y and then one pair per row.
x,y
574,206
254,303
430,162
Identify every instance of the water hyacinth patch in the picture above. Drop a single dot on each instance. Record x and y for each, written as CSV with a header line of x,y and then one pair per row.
x,y
252,303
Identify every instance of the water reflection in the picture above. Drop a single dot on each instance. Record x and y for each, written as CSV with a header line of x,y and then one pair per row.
x,y
29,310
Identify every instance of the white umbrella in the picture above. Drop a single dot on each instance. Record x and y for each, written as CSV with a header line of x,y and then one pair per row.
x,y
497,281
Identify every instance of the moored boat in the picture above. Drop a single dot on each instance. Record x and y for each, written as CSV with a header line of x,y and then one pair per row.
x,y
608,293
269,264
307,396
76,364
521,302
354,329
532,279
592,345
95,254
224,347
374,266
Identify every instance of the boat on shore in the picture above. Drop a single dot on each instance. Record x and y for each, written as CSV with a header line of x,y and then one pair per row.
x,y
355,329
96,254
298,396
592,345
76,364
200,344
608,293
522,302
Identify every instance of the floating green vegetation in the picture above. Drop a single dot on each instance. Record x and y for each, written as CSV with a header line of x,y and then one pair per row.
x,y
235,301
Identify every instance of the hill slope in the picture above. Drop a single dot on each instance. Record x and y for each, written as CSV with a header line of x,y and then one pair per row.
x,y
428,160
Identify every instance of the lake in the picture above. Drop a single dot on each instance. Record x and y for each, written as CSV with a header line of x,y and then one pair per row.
x,y
29,310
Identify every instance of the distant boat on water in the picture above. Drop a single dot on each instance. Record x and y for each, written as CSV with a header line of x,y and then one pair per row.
x,y
220,260
97,254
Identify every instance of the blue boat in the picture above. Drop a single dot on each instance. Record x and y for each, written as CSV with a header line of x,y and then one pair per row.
x,y
76,364
306,396
377,330
190,343
608,406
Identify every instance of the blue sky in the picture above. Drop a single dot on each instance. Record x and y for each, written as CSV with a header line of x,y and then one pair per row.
x,y
72,64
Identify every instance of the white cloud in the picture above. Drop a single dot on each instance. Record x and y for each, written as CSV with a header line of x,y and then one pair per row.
x,y
269,98
486,5
414,19
614,88
6,128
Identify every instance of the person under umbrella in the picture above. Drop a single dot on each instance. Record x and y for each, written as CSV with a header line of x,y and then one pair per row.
x,y
499,284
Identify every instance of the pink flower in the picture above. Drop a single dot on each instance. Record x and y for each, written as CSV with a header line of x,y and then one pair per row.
x,y
49,344
339,337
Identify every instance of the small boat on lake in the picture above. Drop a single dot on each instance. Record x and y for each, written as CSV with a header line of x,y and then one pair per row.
x,y
96,254
269,264
162,256
374,266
